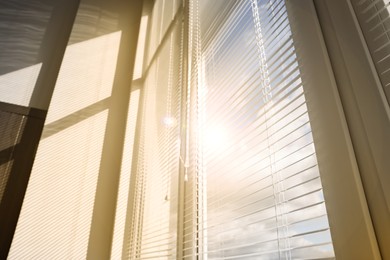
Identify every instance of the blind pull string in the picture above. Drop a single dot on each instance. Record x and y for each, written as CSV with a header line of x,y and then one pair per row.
x,y
267,96
169,118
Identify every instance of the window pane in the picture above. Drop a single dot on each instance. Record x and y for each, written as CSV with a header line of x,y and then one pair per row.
x,y
254,185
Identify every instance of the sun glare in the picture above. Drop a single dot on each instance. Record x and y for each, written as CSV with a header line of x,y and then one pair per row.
x,y
169,121
216,138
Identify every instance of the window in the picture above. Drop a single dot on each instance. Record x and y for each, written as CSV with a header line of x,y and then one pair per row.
x,y
227,166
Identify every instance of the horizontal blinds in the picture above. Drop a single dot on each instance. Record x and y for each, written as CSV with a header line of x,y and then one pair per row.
x,y
374,20
155,198
253,188
192,158
163,13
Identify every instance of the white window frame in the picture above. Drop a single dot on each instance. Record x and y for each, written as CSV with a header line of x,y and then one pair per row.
x,y
337,105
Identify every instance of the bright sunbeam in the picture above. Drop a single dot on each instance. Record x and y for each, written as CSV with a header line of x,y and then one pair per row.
x,y
216,138
169,121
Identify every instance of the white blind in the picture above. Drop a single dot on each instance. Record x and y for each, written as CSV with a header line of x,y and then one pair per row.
x,y
374,20
249,169
162,15
155,199
253,188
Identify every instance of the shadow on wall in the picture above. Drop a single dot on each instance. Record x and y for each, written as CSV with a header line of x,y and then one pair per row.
x,y
20,129
24,28
32,34
86,119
